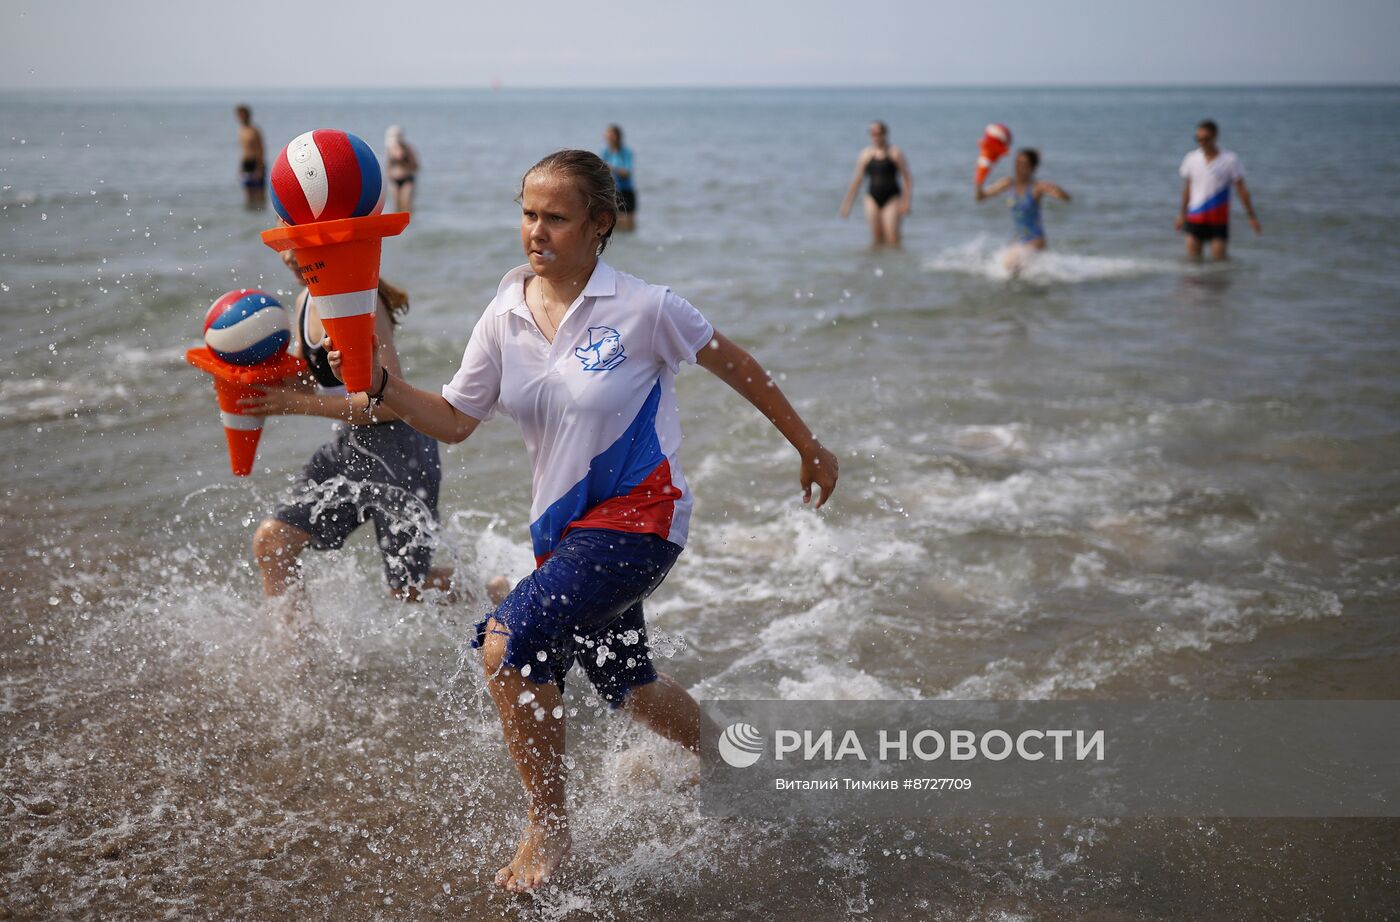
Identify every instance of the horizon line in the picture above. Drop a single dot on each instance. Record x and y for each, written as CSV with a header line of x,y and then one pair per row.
x,y
494,87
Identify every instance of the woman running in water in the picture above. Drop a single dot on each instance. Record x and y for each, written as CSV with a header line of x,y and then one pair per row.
x,y
886,203
1025,194
583,358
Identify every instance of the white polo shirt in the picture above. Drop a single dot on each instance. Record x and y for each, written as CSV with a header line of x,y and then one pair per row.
x,y
597,407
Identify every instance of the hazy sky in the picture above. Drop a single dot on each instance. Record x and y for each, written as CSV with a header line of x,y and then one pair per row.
x,y
261,43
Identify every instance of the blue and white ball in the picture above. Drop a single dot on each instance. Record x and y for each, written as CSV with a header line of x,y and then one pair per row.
x,y
246,327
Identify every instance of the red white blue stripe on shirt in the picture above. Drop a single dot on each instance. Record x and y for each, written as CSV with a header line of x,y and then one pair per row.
x,y
627,488
1214,210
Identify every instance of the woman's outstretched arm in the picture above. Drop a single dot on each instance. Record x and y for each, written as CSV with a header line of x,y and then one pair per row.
x,y
733,365
907,194
854,187
996,188
425,411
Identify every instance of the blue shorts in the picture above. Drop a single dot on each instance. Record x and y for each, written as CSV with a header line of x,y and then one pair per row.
x,y
252,175
585,603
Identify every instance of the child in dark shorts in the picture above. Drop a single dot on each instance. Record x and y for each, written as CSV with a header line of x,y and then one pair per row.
x,y
375,468
384,472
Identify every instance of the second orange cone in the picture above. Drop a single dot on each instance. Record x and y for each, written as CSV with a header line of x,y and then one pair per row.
x,y
339,263
231,384
241,432
996,141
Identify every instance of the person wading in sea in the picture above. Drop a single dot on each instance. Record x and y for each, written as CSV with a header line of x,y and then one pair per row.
x,y
584,359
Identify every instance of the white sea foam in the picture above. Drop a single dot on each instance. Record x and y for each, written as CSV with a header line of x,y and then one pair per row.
x,y
36,399
988,258
1030,499
837,682
992,441
1167,616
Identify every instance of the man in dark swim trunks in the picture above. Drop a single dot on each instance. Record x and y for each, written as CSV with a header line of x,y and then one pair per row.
x,y
252,169
886,202
1210,171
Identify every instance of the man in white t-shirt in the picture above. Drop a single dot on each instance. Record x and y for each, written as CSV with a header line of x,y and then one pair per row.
x,y
1205,199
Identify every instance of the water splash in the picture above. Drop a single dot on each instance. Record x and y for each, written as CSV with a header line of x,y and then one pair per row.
x,y
993,259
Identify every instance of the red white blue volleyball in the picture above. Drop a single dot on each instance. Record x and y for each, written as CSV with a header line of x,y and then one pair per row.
x,y
326,175
247,326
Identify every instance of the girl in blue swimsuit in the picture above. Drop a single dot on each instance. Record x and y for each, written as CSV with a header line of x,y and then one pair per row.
x,y
1024,195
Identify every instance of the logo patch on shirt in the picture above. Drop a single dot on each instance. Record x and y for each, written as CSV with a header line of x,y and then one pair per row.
x,y
604,350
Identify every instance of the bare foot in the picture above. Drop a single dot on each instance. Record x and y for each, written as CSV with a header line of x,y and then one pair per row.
x,y
289,611
439,579
294,630
497,588
543,847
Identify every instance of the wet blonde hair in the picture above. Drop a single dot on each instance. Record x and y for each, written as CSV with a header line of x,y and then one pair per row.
x,y
591,177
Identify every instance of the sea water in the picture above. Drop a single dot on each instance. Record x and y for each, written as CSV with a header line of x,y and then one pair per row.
x,y
1117,474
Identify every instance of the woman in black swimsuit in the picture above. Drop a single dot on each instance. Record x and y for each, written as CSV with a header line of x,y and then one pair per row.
x,y
402,167
886,202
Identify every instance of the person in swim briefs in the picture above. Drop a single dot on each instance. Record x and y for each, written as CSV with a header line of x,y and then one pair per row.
x,y
583,358
1024,194
1209,172
402,167
374,468
252,167
886,201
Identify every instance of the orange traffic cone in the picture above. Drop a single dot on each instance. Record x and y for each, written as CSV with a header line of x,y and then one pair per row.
x,y
231,384
996,141
339,263
241,432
